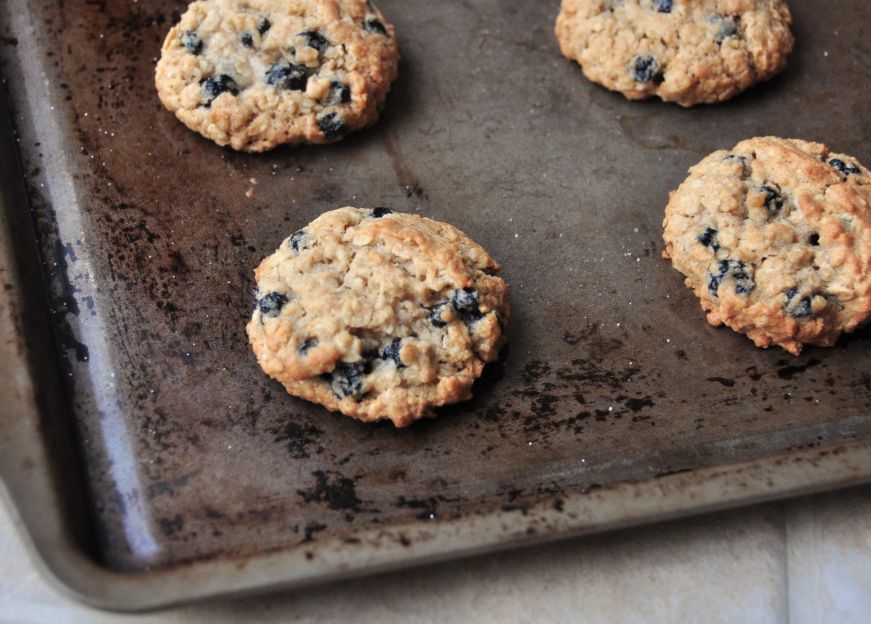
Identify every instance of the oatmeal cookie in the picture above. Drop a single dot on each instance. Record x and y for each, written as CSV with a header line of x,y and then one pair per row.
x,y
685,51
774,237
378,315
253,74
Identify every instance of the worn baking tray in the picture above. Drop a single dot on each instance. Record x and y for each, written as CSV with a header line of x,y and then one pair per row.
x,y
151,462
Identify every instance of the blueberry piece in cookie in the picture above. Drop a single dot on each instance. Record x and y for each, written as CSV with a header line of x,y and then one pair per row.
x,y
346,380
708,238
332,125
734,271
380,211
340,93
437,314
297,241
689,52
792,235
389,317
373,25
773,199
270,304
213,86
191,42
646,69
307,345
391,352
307,71
796,306
314,39
465,302
284,75
726,26
844,168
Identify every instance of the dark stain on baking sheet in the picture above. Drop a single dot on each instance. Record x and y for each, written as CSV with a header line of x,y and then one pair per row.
x,y
149,234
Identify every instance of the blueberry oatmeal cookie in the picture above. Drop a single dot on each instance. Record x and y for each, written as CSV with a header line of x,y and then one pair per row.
x,y
774,237
684,51
253,74
378,315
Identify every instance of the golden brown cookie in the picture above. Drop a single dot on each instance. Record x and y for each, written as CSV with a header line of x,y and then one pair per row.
x,y
253,74
774,237
378,315
685,51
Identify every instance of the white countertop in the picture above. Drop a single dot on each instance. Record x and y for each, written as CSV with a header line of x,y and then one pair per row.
x,y
804,562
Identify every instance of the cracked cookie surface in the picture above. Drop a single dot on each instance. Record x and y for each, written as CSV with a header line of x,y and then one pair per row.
x,y
684,51
378,315
253,74
774,237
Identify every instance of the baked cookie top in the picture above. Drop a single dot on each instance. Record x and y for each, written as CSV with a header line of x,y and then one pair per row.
x,y
253,74
378,315
685,51
774,237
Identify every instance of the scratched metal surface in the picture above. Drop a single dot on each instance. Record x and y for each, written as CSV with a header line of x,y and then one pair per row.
x,y
149,240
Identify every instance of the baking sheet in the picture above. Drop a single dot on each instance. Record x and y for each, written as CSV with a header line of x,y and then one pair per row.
x,y
617,404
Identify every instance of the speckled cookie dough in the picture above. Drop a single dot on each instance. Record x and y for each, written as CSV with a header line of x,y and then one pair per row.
x,y
684,51
378,315
253,74
774,237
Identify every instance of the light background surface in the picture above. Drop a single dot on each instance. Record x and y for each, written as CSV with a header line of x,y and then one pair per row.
x,y
806,561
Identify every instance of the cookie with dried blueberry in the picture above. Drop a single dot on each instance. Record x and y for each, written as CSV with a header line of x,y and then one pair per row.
x,y
378,315
684,51
254,74
774,237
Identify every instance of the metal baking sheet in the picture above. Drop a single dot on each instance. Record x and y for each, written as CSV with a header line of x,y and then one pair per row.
x,y
151,462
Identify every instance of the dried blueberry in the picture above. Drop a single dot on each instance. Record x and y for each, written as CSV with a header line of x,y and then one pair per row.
x,y
737,271
844,168
340,93
708,238
773,199
663,6
270,304
346,379
714,282
247,39
213,86
436,312
799,307
465,302
284,75
264,25
315,40
803,310
727,27
308,345
296,240
380,211
391,352
744,284
331,125
814,239
192,42
646,69
374,26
